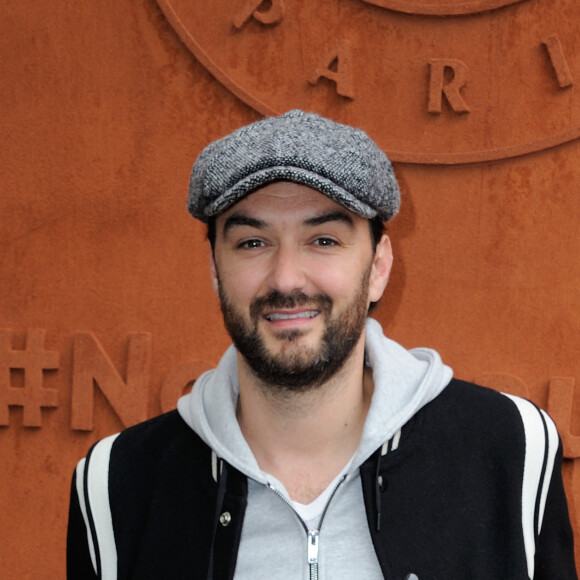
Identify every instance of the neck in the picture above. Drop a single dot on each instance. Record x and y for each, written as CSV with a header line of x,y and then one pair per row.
x,y
304,439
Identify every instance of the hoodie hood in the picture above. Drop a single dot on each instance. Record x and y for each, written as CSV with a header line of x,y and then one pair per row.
x,y
404,382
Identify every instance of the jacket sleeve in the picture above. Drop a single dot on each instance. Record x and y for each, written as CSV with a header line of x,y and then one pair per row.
x,y
78,557
547,532
90,514
555,543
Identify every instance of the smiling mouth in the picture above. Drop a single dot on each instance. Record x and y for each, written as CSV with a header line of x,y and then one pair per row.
x,y
274,316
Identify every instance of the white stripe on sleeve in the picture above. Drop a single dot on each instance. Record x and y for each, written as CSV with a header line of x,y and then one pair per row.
x,y
80,484
553,442
100,509
535,453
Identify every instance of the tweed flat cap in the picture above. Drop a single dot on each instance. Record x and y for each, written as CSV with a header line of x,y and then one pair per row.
x,y
340,161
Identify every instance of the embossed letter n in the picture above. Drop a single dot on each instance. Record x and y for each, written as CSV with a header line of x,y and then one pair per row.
x,y
92,366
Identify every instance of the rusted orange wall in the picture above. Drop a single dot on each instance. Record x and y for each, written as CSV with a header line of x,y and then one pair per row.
x,y
106,312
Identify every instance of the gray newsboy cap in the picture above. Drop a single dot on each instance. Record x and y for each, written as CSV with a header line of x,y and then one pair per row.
x,y
340,161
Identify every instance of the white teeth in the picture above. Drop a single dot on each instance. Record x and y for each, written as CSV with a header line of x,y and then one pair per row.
x,y
282,316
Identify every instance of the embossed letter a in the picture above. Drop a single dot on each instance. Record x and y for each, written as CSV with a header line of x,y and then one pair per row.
x,y
336,66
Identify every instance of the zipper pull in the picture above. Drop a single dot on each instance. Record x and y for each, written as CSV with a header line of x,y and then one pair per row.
x,y
313,547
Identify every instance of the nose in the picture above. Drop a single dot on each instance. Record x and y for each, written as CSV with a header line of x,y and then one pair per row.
x,y
287,271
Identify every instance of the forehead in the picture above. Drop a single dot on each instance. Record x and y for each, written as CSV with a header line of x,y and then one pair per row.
x,y
284,201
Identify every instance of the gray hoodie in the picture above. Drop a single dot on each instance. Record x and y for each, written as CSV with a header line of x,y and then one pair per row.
x,y
275,538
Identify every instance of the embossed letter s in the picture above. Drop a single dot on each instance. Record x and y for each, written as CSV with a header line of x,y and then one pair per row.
x,y
265,11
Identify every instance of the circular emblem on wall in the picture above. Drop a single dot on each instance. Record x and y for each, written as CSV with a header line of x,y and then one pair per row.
x,y
442,7
432,82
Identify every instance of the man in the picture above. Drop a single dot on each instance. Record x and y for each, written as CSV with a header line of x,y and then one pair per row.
x,y
318,448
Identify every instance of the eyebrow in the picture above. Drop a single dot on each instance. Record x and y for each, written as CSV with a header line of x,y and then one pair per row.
x,y
240,219
331,216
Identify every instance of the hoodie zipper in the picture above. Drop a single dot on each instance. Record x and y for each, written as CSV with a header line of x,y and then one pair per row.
x,y
312,536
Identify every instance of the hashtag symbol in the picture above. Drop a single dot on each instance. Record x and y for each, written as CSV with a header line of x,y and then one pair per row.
x,y
33,361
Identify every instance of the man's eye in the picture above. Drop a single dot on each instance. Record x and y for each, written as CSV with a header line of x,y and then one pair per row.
x,y
250,244
325,242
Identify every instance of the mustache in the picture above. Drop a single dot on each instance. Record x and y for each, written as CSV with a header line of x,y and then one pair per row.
x,y
276,299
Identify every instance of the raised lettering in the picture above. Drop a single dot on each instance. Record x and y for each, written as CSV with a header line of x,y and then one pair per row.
x,y
560,404
32,361
91,366
447,77
337,67
268,12
558,60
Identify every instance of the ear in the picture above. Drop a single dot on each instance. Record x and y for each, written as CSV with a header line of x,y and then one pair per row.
x,y
213,274
381,269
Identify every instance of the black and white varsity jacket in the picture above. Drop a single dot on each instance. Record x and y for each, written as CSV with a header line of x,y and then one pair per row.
x,y
472,490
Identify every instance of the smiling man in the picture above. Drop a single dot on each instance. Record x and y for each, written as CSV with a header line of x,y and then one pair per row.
x,y
299,267
318,448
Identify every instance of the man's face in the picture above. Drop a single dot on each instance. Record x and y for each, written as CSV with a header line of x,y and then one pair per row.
x,y
295,273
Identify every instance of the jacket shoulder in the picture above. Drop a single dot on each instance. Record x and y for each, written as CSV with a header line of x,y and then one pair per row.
x,y
484,466
157,435
157,448
474,421
160,478
476,408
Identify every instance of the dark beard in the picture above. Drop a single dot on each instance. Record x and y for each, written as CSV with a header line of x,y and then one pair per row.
x,y
305,369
